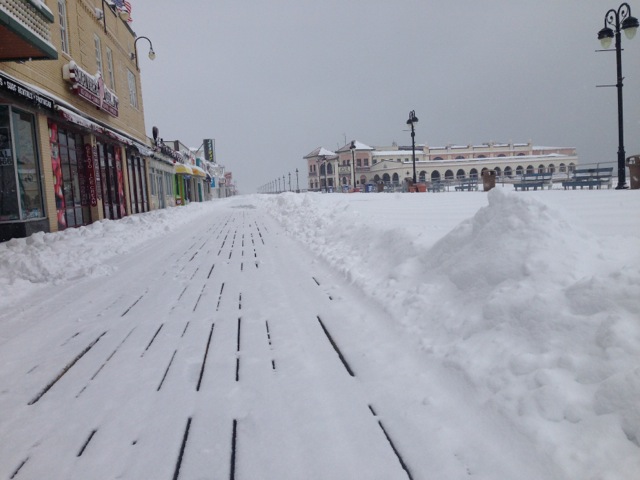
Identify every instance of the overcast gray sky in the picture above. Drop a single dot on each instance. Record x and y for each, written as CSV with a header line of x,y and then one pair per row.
x,y
271,80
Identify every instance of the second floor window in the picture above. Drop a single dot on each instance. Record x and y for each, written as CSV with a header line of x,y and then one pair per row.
x,y
96,40
110,75
62,21
133,89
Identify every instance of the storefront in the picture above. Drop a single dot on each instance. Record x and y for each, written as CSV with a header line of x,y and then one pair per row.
x,y
22,200
71,175
183,187
137,182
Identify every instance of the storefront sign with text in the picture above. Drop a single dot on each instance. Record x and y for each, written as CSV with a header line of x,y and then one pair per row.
x,y
91,88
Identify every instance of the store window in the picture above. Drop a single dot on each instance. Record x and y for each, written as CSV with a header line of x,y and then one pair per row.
x,y
137,185
111,184
20,183
71,186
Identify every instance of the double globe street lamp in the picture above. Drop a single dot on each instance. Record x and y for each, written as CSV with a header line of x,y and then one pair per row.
x,y
412,120
619,19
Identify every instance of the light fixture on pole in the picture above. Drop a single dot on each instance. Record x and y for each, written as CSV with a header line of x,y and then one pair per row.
x,y
413,119
289,181
134,55
297,186
620,19
353,161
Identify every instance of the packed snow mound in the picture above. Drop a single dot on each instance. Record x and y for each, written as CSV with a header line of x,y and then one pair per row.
x,y
538,312
514,238
45,258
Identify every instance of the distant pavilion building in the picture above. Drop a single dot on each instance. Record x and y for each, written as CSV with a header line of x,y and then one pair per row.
x,y
392,165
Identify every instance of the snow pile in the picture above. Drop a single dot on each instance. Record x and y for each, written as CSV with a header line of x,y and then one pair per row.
x,y
540,314
44,258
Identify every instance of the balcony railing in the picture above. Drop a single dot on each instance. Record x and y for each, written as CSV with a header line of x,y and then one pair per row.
x,y
27,23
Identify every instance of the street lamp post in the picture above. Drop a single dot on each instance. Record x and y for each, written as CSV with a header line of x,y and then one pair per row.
x,y
297,186
413,119
152,54
283,184
620,19
289,181
353,161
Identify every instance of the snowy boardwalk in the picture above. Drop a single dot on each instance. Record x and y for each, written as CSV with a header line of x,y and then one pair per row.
x,y
233,353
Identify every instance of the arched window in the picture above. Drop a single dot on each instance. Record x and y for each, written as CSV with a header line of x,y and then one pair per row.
x,y
485,169
481,156
329,169
322,169
502,155
498,171
530,169
363,180
473,173
519,170
396,179
386,179
423,176
459,157
448,174
508,172
541,168
520,155
435,176
460,173
376,179
438,158
563,168
345,181
552,168
572,167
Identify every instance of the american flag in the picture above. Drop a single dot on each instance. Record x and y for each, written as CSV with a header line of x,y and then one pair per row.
x,y
124,6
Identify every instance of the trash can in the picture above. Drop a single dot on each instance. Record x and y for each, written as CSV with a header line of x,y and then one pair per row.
x,y
488,180
633,163
380,187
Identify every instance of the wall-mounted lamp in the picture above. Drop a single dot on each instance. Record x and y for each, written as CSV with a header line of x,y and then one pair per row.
x,y
152,54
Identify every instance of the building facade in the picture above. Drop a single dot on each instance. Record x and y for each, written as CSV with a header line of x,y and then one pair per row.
x,y
72,134
363,165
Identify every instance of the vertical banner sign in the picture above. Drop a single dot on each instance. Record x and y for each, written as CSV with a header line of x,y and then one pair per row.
x,y
208,150
91,174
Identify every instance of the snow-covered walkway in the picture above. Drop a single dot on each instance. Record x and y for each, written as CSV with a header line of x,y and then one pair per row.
x,y
234,353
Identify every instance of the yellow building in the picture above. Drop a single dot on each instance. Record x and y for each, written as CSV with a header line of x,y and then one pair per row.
x,y
72,132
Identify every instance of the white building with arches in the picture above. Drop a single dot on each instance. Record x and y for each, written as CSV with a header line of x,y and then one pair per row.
x,y
391,165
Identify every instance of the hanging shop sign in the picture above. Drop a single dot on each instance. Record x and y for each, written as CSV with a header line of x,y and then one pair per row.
x,y
208,150
91,88
8,84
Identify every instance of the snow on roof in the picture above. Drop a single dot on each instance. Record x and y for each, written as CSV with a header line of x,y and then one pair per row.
x,y
320,152
358,145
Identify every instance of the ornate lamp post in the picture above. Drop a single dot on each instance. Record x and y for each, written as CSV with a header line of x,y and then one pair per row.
x,y
620,19
297,186
413,119
353,161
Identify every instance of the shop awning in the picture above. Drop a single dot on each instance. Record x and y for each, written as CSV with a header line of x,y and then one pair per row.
x,y
198,172
182,169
